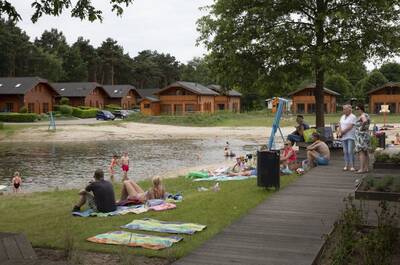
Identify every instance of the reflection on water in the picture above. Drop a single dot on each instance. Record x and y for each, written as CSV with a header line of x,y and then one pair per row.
x,y
45,166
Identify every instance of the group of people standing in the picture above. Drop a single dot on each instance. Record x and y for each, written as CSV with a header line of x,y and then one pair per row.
x,y
354,133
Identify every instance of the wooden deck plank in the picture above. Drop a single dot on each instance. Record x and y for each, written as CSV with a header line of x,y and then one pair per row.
x,y
287,228
3,253
12,248
25,247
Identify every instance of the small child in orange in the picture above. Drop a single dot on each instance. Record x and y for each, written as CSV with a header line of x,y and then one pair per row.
x,y
16,182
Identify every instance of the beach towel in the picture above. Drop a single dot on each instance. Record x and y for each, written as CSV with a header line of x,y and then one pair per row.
x,y
197,174
225,178
135,240
121,210
163,207
148,224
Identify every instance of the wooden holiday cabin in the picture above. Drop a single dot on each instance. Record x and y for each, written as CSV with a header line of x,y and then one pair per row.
x,y
186,97
227,100
150,106
303,100
89,94
388,94
124,96
34,93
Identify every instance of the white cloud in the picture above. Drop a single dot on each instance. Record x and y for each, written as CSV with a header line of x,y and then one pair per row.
x,y
168,26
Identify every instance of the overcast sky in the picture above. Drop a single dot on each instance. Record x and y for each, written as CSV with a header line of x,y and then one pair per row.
x,y
168,26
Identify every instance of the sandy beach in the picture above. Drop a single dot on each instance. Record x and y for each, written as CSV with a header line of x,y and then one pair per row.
x,y
142,131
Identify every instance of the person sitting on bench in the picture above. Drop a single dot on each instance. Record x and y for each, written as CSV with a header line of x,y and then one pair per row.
x,y
298,134
318,153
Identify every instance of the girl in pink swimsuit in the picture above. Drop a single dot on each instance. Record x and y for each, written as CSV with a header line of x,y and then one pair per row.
x,y
288,155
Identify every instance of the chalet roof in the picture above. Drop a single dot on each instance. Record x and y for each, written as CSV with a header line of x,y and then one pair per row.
x,y
119,91
218,89
192,87
147,92
80,89
389,84
151,99
20,85
326,90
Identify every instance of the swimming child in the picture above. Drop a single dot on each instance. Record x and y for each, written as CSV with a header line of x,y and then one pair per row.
x,y
16,182
114,162
397,139
125,165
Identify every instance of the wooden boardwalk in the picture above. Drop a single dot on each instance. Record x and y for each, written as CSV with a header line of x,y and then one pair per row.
x,y
287,228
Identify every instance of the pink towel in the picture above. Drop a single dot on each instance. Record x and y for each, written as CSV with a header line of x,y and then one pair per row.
x,y
163,207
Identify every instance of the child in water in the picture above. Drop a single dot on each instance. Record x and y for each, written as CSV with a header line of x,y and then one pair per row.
x,y
125,165
16,182
114,163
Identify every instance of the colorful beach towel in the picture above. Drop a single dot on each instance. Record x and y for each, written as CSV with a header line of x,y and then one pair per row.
x,y
148,224
163,207
135,240
121,210
225,178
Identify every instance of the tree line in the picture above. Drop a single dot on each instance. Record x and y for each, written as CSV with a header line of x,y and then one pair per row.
x,y
51,57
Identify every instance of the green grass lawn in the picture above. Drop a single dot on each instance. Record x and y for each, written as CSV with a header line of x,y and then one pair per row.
x,y
46,219
253,118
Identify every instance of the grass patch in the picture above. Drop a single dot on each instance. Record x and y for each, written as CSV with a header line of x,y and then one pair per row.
x,y
249,119
46,219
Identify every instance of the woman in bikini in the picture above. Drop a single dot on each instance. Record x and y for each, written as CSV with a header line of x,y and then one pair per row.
x,y
132,191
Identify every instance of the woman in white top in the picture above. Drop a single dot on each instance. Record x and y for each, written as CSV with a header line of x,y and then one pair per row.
x,y
347,132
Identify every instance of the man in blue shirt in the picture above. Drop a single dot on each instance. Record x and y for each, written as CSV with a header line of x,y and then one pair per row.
x,y
298,134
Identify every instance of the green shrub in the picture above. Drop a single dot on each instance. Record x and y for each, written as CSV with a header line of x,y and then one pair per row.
x,y
23,110
65,110
382,157
1,126
112,107
18,117
85,107
84,113
384,183
64,101
396,184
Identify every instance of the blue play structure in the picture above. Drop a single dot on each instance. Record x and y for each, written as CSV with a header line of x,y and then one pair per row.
x,y
275,125
52,122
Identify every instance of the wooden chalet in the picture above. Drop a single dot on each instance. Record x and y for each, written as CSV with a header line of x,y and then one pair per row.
x,y
90,94
303,100
124,96
34,93
388,94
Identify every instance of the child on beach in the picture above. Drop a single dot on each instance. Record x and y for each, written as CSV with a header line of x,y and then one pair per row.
x,y
114,163
125,165
397,139
16,182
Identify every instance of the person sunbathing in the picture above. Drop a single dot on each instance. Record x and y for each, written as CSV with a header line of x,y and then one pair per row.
x,y
133,192
252,172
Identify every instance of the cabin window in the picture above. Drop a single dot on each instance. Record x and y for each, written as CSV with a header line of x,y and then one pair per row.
x,y
31,107
166,108
300,108
178,108
392,107
45,107
9,107
310,92
310,108
189,107
377,107
146,106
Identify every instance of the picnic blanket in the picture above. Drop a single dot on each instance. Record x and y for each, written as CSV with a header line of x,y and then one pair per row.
x,y
224,178
148,224
135,240
121,210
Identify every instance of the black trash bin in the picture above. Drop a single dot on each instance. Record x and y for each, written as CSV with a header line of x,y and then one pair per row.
x,y
268,169
381,139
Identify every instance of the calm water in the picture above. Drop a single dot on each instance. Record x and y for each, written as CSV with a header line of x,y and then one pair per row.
x,y
45,166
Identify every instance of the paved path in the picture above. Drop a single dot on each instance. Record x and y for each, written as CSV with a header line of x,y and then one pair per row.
x,y
287,228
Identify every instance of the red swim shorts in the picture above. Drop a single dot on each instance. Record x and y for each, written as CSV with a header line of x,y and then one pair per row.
x,y
125,167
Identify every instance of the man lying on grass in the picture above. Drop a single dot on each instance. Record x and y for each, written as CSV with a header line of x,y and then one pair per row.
x,y
99,195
